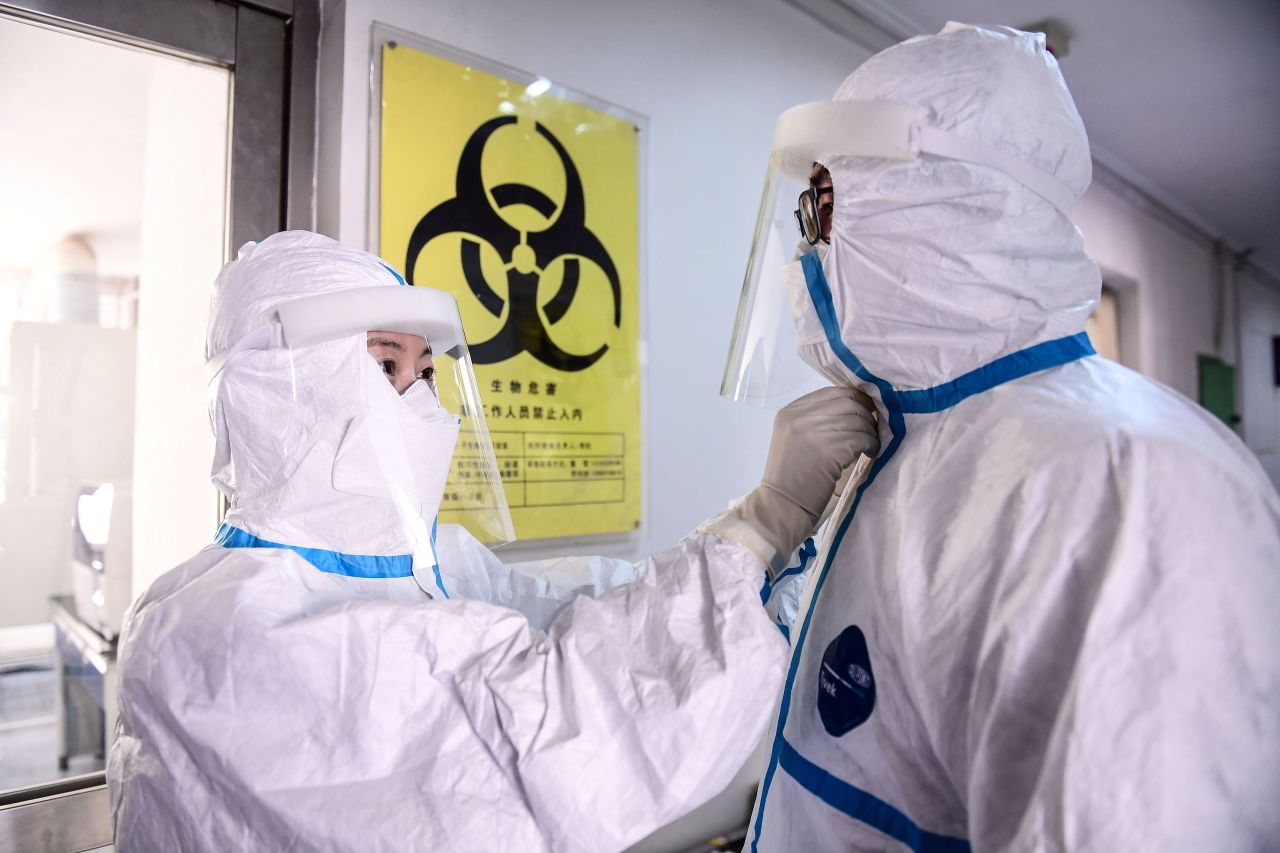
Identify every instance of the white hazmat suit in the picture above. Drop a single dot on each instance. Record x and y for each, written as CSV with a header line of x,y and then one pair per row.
x,y
1047,620
323,679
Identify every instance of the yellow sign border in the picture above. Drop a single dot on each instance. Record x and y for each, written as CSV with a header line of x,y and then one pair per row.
x,y
381,35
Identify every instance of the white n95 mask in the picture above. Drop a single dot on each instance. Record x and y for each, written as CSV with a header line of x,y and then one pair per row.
x,y
400,450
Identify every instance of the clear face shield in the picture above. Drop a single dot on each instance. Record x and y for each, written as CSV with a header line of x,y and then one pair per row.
x,y
317,448
764,366
426,333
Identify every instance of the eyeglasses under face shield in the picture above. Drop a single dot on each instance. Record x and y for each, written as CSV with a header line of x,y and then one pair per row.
x,y
813,214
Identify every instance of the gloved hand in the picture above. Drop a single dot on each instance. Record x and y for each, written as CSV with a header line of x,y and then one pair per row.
x,y
815,439
841,484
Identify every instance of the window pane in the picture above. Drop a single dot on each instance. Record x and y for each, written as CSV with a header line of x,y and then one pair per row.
x,y
111,231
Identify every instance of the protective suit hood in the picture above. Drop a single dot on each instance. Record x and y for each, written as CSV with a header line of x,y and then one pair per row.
x,y
942,266
314,447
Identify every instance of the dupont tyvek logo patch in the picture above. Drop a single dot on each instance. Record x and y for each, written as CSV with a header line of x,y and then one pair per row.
x,y
846,685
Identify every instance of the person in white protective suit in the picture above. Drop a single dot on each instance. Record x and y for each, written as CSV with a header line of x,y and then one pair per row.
x,y
1046,619
339,673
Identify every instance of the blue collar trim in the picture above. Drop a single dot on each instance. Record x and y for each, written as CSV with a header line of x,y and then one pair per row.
x,y
1016,365
1024,362
333,562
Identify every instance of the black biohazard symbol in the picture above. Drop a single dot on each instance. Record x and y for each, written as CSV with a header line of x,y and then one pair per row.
x,y
525,254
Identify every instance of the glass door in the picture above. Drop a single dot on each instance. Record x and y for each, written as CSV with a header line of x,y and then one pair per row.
x,y
112,225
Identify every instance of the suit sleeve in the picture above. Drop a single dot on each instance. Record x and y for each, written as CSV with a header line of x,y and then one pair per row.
x,y
266,708
650,696
539,589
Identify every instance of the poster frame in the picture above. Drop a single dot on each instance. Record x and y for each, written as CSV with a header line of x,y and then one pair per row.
x,y
380,34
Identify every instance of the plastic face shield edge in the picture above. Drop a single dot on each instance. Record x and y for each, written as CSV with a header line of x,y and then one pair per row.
x,y
764,367
473,493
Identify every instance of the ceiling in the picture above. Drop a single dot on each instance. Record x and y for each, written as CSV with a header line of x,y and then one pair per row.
x,y
1181,98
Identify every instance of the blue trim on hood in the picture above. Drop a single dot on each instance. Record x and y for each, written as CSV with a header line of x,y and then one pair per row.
x,y
927,401
333,562
1015,365
391,270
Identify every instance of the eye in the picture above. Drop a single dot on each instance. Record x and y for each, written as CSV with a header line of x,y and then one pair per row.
x,y
429,374
389,367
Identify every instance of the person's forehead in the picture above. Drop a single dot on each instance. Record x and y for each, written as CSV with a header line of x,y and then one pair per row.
x,y
399,341
819,174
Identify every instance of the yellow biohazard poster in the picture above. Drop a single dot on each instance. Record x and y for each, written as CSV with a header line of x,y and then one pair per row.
x,y
523,203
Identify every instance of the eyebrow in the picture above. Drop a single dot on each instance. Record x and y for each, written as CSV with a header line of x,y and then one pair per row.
x,y
395,345
814,178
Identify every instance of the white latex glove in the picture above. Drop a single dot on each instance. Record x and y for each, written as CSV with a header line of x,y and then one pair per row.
x,y
815,440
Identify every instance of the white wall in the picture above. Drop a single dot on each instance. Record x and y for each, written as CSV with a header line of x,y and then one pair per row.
x,y
712,77
70,424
